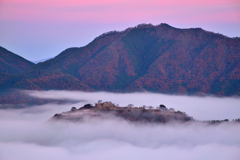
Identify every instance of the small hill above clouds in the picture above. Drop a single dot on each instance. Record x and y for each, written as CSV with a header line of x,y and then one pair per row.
x,y
107,110
12,63
143,114
144,58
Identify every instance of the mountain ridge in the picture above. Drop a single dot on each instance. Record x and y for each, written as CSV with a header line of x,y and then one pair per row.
x,y
11,63
152,58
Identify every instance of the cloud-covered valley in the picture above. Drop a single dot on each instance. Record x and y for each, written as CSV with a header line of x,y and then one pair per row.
x,y
28,133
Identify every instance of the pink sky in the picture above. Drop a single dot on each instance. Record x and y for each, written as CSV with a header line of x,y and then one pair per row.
x,y
40,23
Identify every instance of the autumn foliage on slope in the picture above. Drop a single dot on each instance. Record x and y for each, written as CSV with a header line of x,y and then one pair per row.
x,y
144,58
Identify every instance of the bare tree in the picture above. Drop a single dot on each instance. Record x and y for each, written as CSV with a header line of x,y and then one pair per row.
x,y
130,105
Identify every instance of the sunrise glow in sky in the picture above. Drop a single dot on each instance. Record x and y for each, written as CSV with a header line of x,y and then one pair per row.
x,y
38,29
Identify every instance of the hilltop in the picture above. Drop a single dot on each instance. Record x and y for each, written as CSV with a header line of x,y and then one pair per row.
x,y
130,113
143,114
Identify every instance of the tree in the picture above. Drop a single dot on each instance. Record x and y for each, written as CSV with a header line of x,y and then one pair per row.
x,y
73,109
150,107
130,105
162,107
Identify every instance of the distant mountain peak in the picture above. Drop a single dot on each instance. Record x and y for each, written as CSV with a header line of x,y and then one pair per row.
x,y
42,60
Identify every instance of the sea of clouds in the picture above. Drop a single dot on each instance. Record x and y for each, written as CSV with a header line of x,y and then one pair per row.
x,y
28,133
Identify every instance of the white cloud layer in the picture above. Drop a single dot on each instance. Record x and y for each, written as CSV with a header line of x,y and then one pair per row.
x,y
201,108
27,134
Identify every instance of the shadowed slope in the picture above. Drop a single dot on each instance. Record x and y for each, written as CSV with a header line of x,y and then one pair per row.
x,y
12,63
154,58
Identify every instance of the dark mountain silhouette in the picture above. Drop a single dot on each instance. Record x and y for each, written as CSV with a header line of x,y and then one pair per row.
x,y
144,58
11,63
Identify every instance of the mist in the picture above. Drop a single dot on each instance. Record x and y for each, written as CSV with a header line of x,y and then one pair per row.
x,y
28,133
200,108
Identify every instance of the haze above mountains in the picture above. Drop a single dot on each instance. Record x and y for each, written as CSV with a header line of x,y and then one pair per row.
x,y
144,58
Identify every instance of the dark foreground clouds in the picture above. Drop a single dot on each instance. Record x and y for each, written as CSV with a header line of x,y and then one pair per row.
x,y
28,134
